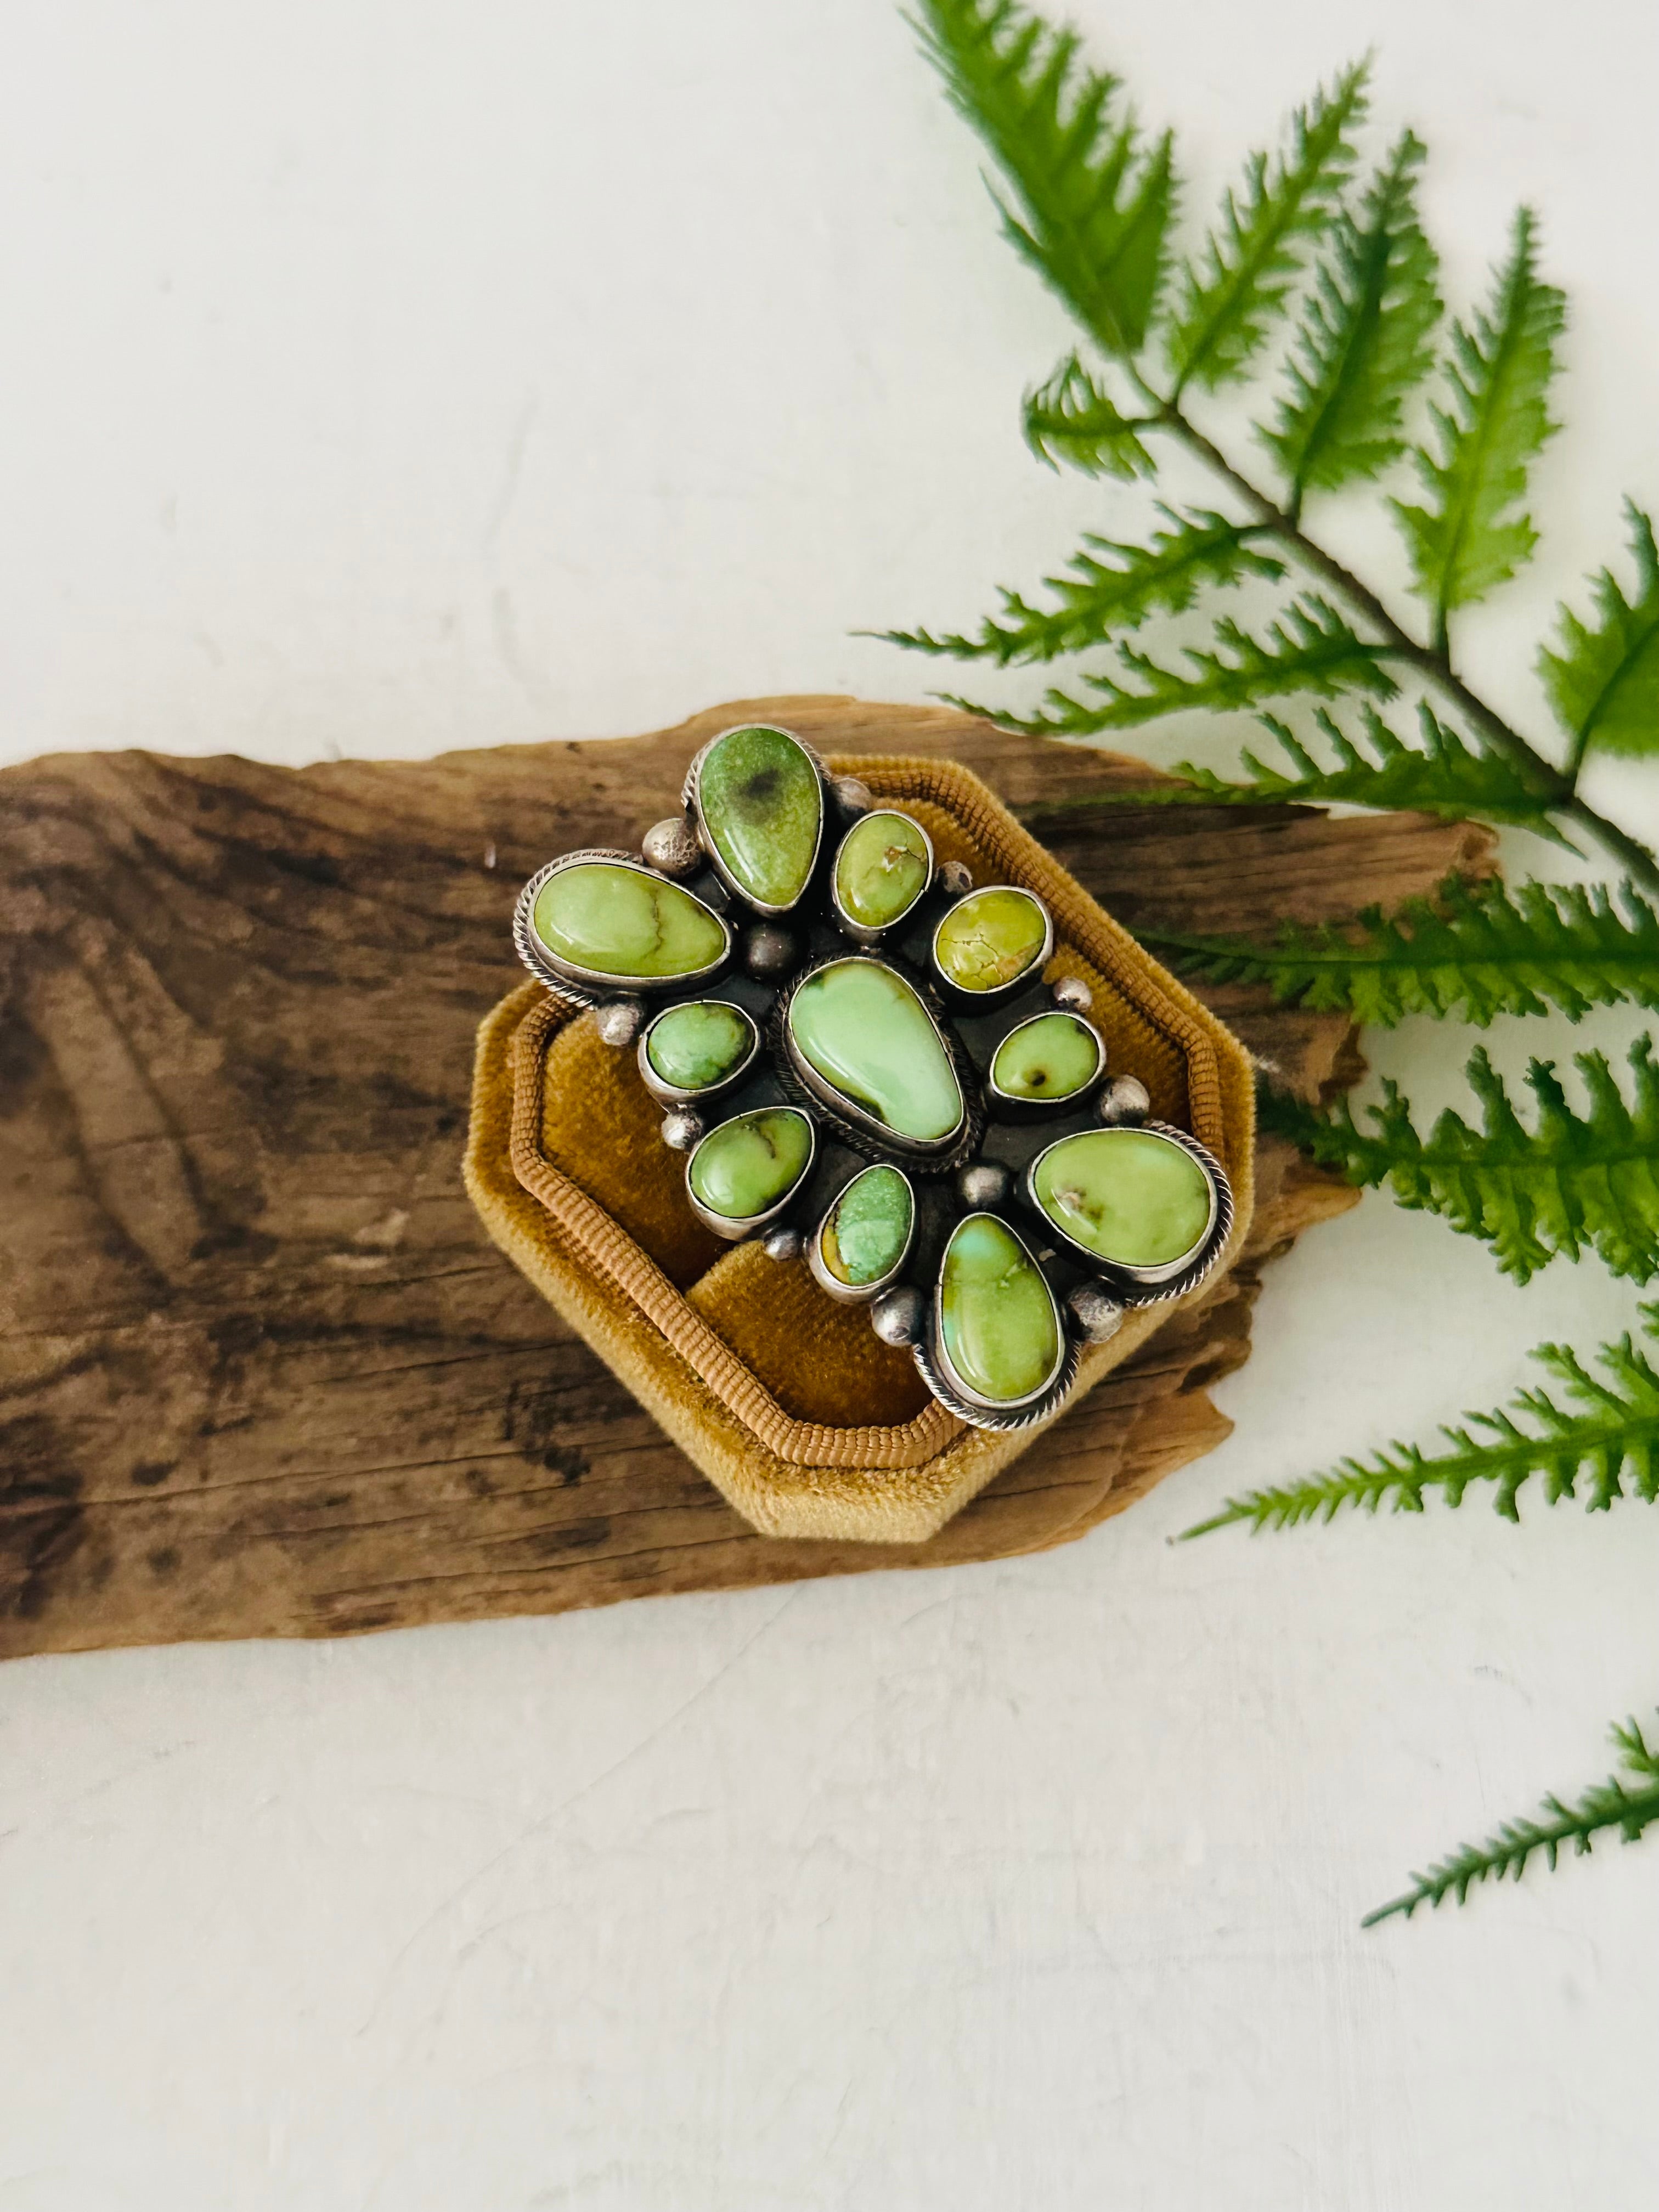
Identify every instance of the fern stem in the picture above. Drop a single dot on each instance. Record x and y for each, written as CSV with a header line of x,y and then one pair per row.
x,y
1432,662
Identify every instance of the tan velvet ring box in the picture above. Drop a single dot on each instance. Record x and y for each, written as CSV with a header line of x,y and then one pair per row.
x,y
808,1424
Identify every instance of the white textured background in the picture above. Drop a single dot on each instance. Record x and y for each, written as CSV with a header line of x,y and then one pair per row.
x,y
380,378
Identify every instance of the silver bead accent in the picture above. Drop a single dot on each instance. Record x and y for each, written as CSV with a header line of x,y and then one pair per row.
x,y
1095,1313
619,1021
768,952
896,1315
850,795
670,847
1074,993
781,1244
681,1129
954,878
983,1184
1124,1102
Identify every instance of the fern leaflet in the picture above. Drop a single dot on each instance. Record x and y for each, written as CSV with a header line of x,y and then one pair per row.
x,y
1311,649
1364,340
1608,1431
1477,952
1234,295
1071,418
1111,587
1604,682
1097,204
1574,1183
1628,1800
1467,540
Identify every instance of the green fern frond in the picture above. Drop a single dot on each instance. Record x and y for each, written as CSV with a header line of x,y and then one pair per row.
x,y
1467,540
1363,339
1071,418
1235,293
1111,587
1445,776
1574,1183
1628,1802
1604,682
1097,203
1609,1432
1311,649
1477,952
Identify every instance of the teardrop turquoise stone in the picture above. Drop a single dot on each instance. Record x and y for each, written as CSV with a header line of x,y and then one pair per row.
x,y
760,800
996,1313
865,1031
1125,1194
882,869
1052,1057
865,1230
697,1045
623,923
750,1163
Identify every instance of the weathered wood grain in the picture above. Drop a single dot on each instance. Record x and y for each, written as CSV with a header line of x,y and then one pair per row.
x,y
261,1371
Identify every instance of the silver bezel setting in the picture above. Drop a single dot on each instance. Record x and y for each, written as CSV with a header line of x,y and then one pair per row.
x,y
1012,1105
1028,975
672,1094
1173,1279
861,932
690,796
933,1361
865,1132
860,1294
591,987
723,1224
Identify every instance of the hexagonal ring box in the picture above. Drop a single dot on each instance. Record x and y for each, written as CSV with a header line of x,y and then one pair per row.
x,y
852,1134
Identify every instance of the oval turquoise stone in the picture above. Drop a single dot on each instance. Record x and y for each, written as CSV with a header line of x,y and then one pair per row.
x,y
866,1231
997,1316
990,939
750,1163
864,1030
699,1045
1051,1056
1125,1194
761,802
624,923
882,869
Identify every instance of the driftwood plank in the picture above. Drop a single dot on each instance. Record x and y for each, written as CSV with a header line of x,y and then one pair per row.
x,y
262,1372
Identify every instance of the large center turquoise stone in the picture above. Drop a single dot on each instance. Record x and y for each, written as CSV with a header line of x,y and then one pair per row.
x,y
1125,1194
882,869
997,1315
750,1163
623,923
865,1230
864,1030
696,1046
761,804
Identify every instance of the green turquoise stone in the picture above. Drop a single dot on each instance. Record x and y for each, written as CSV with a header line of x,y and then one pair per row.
x,y
760,800
989,940
866,1229
882,870
624,923
750,1163
1125,1194
996,1314
864,1030
1055,1056
696,1046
